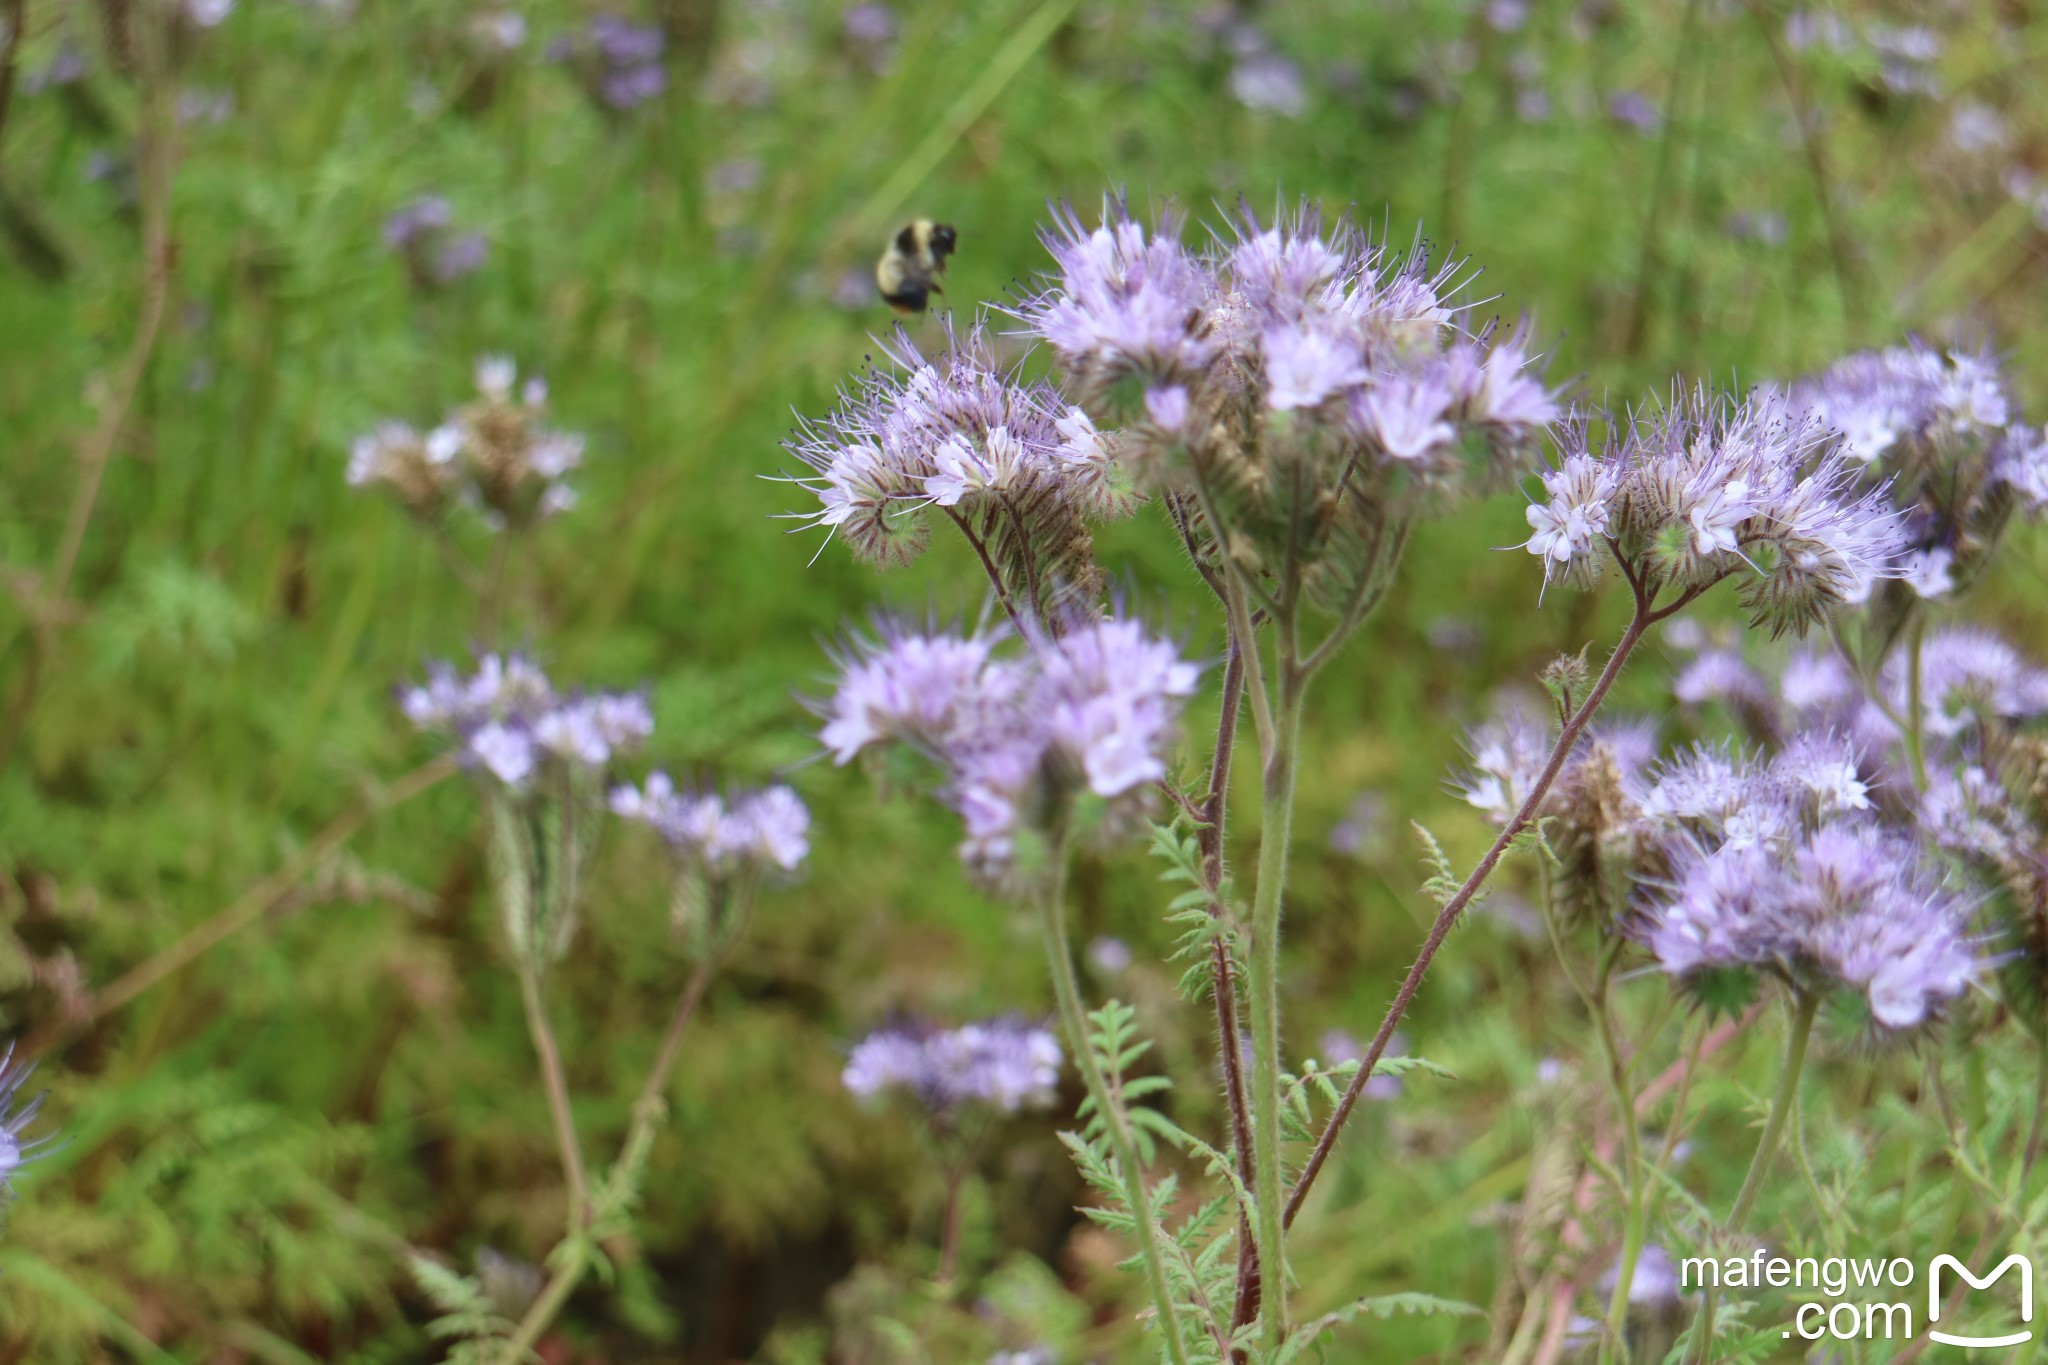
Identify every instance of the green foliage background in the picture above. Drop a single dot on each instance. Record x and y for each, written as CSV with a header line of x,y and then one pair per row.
x,y
251,1144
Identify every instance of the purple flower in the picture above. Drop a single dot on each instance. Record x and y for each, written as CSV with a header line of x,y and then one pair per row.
x,y
464,254
1723,675
1016,739
1780,867
1269,83
15,1119
516,466
1005,1064
508,721
1702,488
1508,754
960,432
1568,532
1125,300
1110,956
421,218
620,61
1968,676
1108,696
757,830
1634,109
870,23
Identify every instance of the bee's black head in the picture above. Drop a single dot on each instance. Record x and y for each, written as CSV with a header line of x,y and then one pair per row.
x,y
943,239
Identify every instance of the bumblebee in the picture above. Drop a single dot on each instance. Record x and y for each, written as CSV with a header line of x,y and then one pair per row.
x,y
908,273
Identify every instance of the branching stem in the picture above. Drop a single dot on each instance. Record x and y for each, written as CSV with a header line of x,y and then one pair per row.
x,y
1568,738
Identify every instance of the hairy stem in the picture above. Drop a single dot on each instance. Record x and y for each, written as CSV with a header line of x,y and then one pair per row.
x,y
949,1224
1060,958
1804,1006
557,1086
988,566
519,1348
1632,1232
1223,979
648,1110
2035,1134
1277,813
1915,733
1567,739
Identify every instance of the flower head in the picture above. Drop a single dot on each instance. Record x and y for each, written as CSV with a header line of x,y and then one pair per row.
x,y
1939,433
1701,488
1015,740
1005,1064
421,471
753,831
509,724
959,432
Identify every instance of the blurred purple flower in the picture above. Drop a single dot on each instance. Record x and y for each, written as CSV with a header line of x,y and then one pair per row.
x,y
1634,109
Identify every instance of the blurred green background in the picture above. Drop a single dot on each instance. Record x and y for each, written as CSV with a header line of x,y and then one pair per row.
x,y
1704,189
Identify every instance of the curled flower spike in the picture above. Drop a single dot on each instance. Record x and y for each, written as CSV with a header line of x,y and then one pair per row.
x,y
1004,1064
1941,431
1015,466
1703,488
1017,740
421,471
517,466
495,454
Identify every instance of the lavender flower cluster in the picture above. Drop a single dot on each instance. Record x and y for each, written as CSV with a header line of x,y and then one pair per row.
x,y
1313,390
1778,866
1852,846
962,433
1342,350
1016,740
422,234
1942,431
509,723
756,830
495,454
619,61
1004,1064
1703,487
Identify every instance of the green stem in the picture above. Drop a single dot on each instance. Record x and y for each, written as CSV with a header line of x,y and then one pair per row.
x,y
1262,977
1632,1232
557,1087
1060,957
520,1347
1916,746
1805,1005
647,1112
2032,1154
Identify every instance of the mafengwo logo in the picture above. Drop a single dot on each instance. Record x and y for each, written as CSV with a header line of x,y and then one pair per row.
x,y
1934,1283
